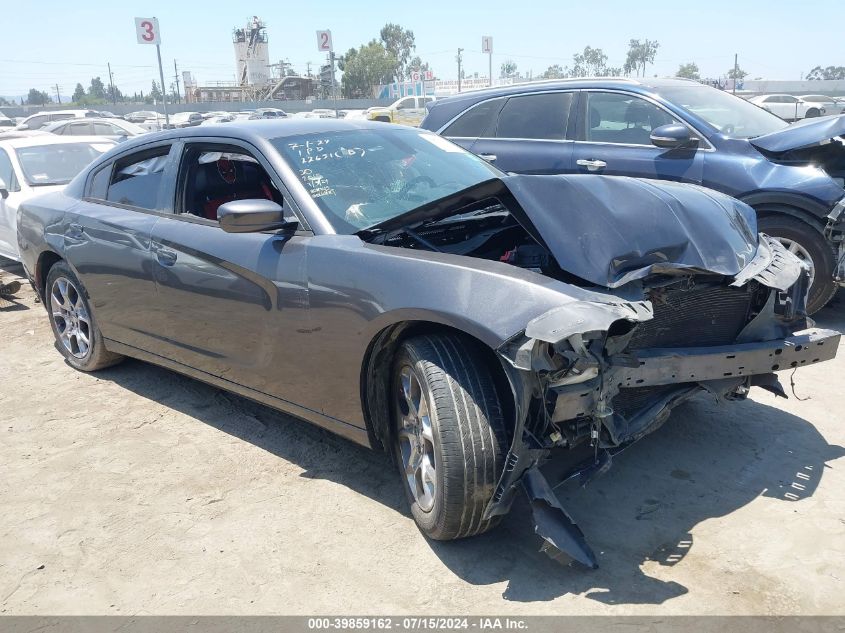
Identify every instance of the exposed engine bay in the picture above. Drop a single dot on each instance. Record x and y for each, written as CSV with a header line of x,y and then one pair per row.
x,y
661,317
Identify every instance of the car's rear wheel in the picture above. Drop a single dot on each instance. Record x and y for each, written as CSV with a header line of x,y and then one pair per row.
x,y
77,336
812,112
449,435
809,245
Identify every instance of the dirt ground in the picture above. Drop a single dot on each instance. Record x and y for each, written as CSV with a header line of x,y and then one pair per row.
x,y
138,491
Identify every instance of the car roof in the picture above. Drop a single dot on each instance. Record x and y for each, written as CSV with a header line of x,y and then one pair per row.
x,y
261,129
51,139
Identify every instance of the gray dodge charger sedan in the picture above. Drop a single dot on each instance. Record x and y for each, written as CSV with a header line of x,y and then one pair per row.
x,y
383,283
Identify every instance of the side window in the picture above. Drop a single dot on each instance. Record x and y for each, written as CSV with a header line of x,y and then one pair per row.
x,y
100,183
476,122
7,172
82,128
406,104
137,179
211,175
106,129
538,116
621,118
427,100
37,122
788,99
60,117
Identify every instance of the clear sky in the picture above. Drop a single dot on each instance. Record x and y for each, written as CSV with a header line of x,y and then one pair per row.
x,y
69,42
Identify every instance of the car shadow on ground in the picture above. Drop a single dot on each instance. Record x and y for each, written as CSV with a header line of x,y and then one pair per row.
x,y
707,461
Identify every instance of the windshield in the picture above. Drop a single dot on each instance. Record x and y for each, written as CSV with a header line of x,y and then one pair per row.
x,y
57,163
731,115
360,178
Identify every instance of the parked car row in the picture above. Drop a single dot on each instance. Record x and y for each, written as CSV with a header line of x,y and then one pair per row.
x,y
793,108
671,129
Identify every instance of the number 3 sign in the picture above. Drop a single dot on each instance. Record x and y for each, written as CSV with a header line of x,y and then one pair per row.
x,y
147,30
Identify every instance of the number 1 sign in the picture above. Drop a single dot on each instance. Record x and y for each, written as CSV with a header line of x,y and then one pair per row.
x,y
147,30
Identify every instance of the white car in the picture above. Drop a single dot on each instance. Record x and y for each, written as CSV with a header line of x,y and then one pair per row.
x,y
32,164
789,107
831,105
39,120
115,129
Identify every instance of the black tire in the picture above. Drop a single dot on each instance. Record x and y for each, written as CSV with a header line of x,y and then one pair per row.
x,y
383,119
95,356
812,113
467,431
812,241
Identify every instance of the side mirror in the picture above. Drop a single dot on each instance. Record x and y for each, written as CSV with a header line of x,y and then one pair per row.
x,y
253,216
671,136
4,189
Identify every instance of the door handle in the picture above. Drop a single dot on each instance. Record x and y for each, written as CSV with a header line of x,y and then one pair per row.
x,y
591,164
165,256
490,158
74,231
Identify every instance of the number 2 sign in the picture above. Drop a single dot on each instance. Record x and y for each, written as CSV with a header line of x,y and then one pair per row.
x,y
324,41
147,31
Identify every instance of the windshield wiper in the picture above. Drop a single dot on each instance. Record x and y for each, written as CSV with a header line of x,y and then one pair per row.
x,y
420,239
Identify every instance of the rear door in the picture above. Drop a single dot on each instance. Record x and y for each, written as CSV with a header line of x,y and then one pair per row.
x,y
230,304
613,138
79,128
526,134
107,241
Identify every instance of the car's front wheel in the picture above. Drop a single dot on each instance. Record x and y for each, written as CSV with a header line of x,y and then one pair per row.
x,y
77,336
810,246
449,434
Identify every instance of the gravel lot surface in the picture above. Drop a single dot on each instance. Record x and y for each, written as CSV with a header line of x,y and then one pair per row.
x,y
138,491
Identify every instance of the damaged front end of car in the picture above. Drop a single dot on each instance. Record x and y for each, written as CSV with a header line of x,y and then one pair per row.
x,y
605,374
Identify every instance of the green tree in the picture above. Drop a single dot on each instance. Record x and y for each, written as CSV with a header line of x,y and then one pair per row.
x,y
400,43
828,72
79,94
508,69
591,62
4,102
97,90
554,72
688,71
155,93
737,73
639,55
417,64
37,97
365,67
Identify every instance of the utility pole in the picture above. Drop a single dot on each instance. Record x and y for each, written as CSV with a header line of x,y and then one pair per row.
x,y
334,90
111,83
176,77
459,58
307,69
736,70
58,96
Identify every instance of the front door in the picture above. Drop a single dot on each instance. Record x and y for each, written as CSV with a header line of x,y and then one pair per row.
x,y
614,130
229,304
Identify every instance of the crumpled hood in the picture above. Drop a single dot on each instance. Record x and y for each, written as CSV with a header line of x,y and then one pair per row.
x,y
610,230
802,134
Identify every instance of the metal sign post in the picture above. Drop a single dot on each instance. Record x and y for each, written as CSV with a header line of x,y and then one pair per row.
x,y
487,47
324,45
146,30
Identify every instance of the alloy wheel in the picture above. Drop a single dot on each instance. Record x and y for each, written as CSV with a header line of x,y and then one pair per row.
x,y
70,317
416,439
802,253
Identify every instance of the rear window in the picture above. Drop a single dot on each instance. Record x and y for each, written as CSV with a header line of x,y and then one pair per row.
x,y
539,116
57,163
476,121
